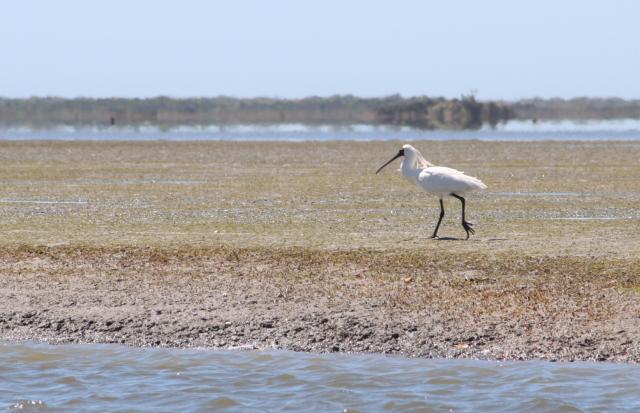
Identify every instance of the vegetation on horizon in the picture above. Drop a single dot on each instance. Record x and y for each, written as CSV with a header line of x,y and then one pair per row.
x,y
439,113
420,112
576,108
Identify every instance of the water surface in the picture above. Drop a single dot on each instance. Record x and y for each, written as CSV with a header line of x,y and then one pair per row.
x,y
601,130
98,378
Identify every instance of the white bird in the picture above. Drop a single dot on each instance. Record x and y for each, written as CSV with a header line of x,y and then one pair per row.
x,y
438,180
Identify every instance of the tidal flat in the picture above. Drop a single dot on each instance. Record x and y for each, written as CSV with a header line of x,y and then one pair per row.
x,y
299,245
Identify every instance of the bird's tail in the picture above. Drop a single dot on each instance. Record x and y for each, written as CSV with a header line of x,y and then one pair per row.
x,y
476,183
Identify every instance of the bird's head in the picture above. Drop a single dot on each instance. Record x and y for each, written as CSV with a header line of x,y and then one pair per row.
x,y
407,150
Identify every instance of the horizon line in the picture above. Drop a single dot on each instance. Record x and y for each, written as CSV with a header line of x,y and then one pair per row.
x,y
311,96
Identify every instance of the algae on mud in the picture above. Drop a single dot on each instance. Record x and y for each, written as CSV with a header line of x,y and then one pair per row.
x,y
318,195
301,246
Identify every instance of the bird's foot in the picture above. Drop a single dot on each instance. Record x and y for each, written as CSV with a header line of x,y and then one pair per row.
x,y
468,228
434,236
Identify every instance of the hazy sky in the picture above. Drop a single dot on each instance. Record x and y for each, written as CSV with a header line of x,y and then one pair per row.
x,y
294,48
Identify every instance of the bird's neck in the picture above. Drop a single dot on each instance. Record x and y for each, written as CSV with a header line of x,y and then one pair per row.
x,y
410,170
409,163
415,160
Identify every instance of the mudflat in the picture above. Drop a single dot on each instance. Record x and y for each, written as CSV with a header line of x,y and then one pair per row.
x,y
301,246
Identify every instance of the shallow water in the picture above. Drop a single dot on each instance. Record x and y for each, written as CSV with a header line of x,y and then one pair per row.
x,y
97,378
600,130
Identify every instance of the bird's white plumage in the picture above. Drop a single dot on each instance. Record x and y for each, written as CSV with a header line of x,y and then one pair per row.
x,y
437,180
443,180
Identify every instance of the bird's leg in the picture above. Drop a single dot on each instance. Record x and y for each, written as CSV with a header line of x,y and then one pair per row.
x,y
466,225
435,232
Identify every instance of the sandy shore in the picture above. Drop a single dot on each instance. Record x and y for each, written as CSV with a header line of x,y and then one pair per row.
x,y
300,246
365,301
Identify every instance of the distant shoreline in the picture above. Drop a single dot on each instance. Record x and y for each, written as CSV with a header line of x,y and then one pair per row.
x,y
421,112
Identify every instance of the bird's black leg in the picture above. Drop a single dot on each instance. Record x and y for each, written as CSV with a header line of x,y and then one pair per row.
x,y
466,225
435,232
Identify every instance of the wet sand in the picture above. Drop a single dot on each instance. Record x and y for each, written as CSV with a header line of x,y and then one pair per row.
x,y
209,244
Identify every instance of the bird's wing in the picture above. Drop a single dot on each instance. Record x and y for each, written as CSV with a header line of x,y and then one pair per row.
x,y
440,179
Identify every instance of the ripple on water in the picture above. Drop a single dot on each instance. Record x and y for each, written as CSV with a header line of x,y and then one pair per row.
x,y
221,403
98,378
28,406
68,381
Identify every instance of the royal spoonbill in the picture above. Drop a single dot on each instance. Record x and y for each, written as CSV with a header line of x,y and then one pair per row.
x,y
438,180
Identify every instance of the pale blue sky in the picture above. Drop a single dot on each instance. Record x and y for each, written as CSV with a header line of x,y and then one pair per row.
x,y
294,48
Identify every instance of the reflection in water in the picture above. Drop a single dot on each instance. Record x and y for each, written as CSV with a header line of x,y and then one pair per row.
x,y
621,129
39,377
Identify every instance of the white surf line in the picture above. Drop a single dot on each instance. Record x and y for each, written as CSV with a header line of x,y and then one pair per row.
x,y
25,201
